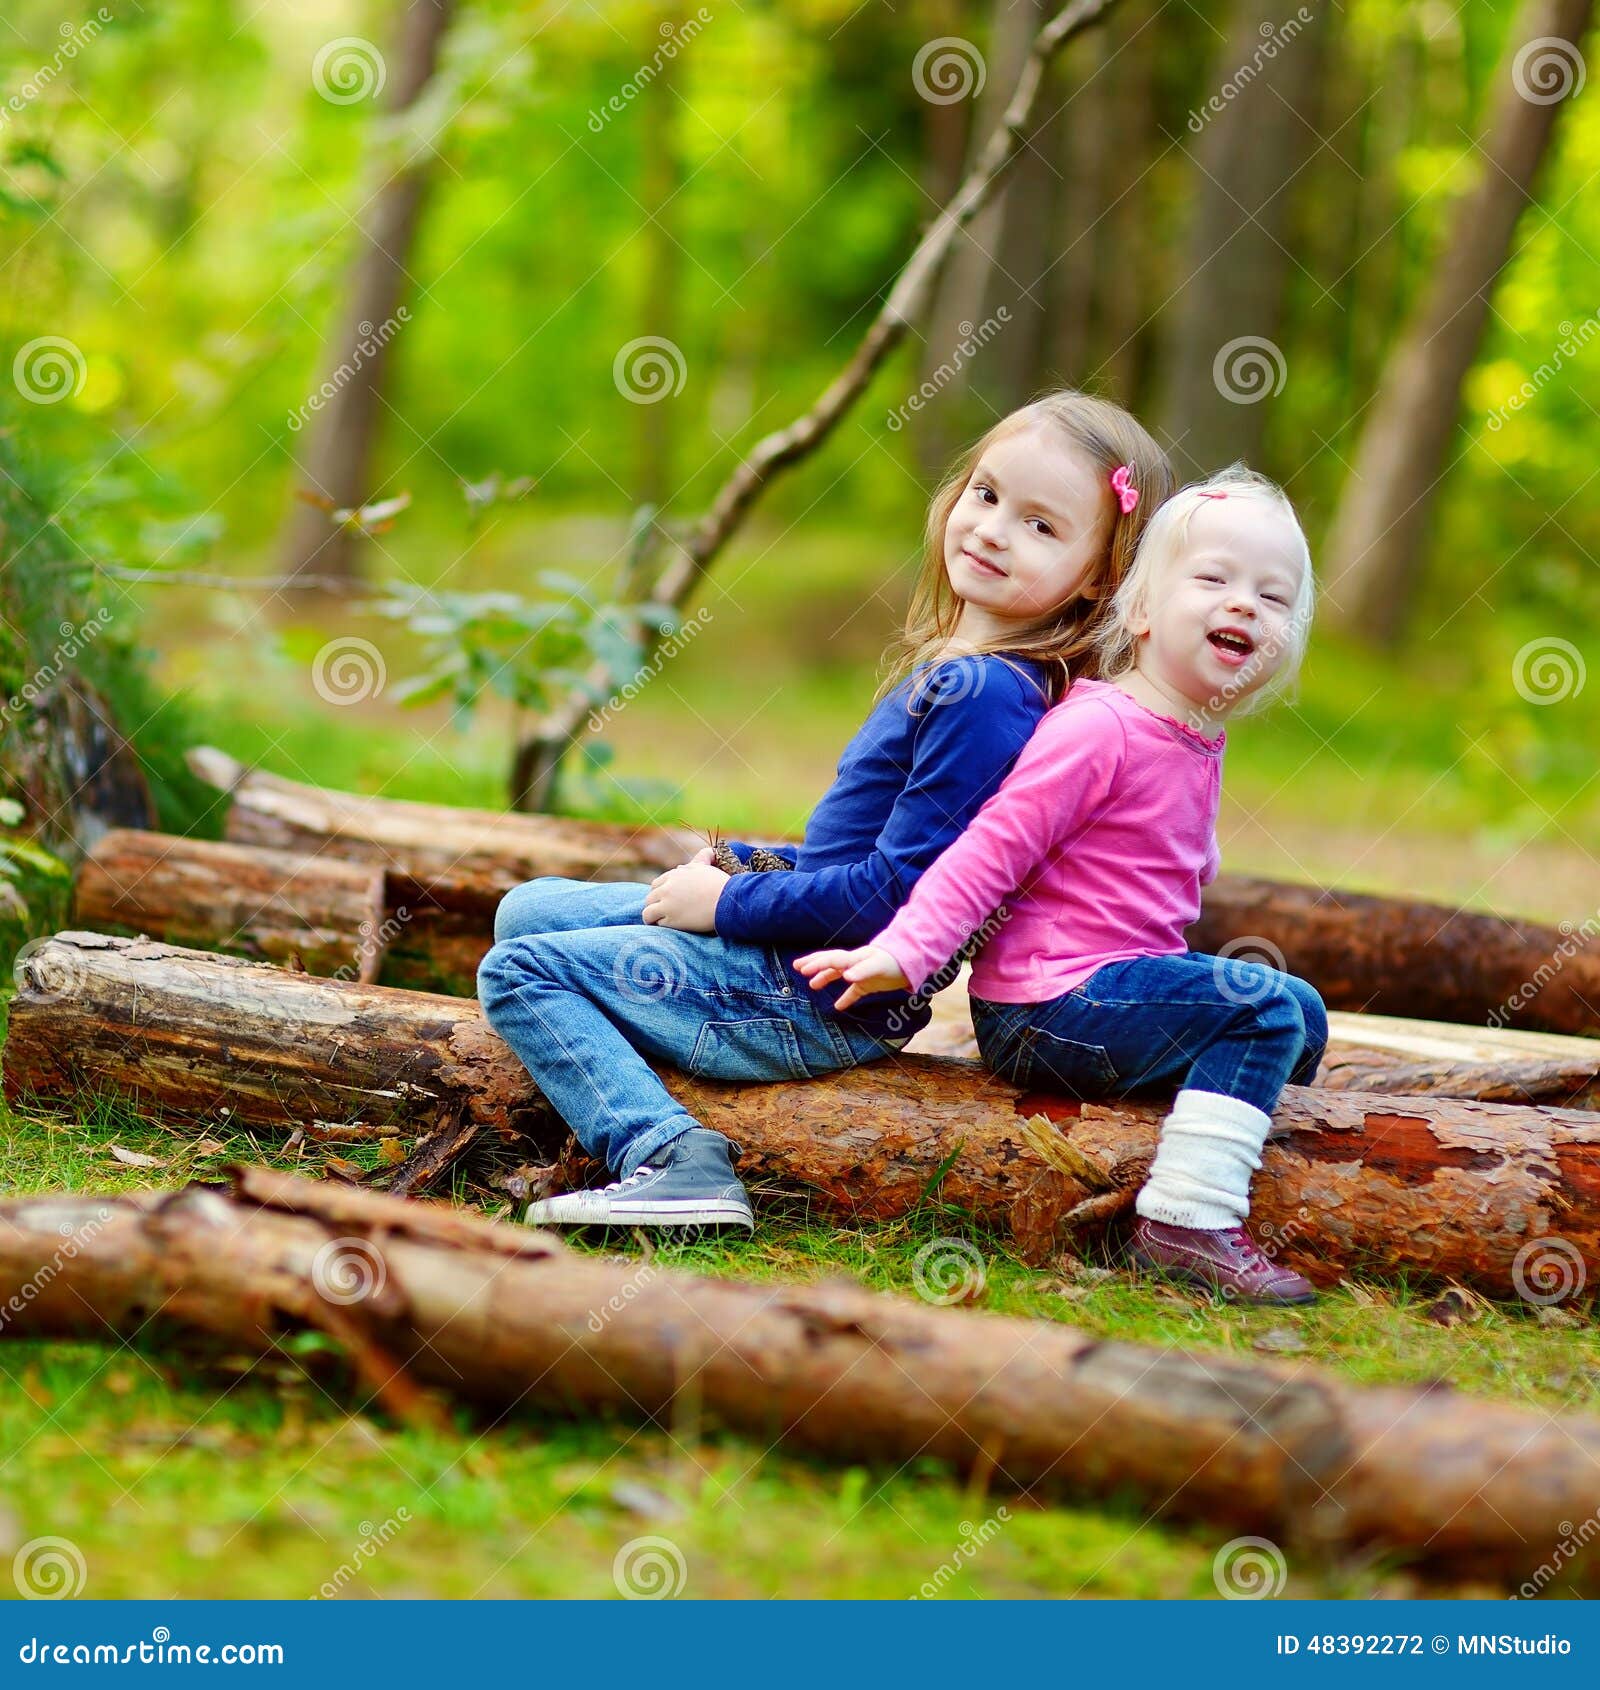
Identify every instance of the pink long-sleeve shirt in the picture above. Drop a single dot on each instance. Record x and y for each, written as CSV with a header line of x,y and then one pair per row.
x,y
1096,846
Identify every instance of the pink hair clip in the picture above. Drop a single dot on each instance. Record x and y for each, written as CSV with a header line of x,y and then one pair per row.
x,y
1121,484
1213,495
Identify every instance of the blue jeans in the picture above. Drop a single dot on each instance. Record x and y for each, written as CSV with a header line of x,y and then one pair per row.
x,y
588,995
1205,1023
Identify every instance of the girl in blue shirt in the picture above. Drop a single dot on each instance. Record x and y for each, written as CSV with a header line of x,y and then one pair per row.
x,y
592,983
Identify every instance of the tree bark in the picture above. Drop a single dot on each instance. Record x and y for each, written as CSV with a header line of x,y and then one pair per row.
x,y
333,917
1378,545
336,462
1356,1182
276,905
1392,956
424,1295
1236,266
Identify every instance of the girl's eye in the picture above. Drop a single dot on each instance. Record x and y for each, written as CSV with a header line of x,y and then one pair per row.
x,y
1273,598
981,490
1043,526
1215,580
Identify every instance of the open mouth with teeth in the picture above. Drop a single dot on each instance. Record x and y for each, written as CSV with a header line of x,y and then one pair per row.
x,y
1234,648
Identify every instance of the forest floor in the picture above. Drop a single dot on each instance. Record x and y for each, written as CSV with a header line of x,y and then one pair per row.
x,y
273,1480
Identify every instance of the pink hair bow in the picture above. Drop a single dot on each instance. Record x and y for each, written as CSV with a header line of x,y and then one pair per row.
x,y
1122,485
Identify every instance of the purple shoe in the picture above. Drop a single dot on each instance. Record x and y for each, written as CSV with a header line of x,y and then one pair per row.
x,y
1226,1262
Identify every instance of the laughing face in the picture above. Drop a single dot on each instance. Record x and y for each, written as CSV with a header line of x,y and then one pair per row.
x,y
1026,532
1221,621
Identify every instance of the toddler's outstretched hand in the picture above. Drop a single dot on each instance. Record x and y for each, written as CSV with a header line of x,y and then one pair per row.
x,y
869,969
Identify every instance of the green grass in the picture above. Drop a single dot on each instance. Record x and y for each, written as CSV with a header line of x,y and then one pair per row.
x,y
258,1478
261,1478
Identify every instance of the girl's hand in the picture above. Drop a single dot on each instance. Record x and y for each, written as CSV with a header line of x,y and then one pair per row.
x,y
870,970
686,897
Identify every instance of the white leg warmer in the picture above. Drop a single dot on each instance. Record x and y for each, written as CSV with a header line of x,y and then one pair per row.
x,y
1210,1145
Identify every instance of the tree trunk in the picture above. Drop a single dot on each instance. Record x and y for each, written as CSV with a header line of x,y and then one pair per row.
x,y
1354,1182
969,281
332,917
661,178
1393,956
1378,544
337,459
423,1295
277,905
1223,359
1389,955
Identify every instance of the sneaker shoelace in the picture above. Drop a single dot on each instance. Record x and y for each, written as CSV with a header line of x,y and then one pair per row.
x,y
638,1174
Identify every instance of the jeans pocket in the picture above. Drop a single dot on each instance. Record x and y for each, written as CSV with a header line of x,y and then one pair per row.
x,y
1002,1041
755,1048
1079,1069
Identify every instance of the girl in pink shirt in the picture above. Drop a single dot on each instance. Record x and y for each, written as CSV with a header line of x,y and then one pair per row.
x,y
1080,875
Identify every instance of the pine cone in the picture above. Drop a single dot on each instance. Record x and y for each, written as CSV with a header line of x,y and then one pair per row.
x,y
762,861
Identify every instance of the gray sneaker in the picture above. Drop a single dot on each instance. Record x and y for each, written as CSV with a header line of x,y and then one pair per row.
x,y
691,1183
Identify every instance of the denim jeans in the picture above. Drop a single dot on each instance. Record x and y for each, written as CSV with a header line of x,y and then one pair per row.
x,y
1205,1023
588,995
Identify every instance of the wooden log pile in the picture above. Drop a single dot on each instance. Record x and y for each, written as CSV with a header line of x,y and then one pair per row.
x,y
1353,1183
323,914
1394,956
426,1299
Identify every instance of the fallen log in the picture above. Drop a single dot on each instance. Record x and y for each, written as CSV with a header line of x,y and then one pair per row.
x,y
497,1315
1393,956
1356,1182
264,902
277,905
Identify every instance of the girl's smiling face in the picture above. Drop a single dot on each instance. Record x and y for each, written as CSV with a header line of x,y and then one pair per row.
x,y
1221,623
1026,533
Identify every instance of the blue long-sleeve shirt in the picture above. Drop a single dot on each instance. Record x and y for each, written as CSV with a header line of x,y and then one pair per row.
x,y
918,770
